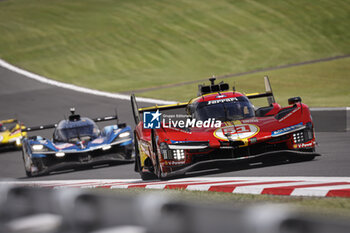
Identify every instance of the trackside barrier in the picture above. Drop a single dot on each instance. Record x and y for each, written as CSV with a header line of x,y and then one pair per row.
x,y
28,209
331,119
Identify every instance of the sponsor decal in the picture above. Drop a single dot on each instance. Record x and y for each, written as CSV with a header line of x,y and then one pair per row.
x,y
151,120
289,114
287,129
305,145
222,101
236,132
250,121
181,130
220,96
64,146
98,141
174,162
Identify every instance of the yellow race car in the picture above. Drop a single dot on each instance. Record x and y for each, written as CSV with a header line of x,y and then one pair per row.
x,y
11,134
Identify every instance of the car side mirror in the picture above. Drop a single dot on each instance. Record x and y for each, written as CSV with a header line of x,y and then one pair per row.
x,y
294,100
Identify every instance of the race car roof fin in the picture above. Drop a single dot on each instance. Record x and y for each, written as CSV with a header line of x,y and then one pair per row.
x,y
163,107
135,109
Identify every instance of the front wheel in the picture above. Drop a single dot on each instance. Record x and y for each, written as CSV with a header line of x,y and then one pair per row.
x,y
145,175
27,165
148,176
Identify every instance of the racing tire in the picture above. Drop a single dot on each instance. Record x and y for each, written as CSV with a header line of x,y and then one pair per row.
x,y
144,175
28,173
137,167
149,173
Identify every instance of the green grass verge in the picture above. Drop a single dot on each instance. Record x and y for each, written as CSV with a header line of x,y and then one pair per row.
x,y
124,45
320,85
320,205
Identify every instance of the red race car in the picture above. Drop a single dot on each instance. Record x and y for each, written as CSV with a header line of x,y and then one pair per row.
x,y
219,127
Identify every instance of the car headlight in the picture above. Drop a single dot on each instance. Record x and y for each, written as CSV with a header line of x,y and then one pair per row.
x,y
298,137
107,147
60,154
18,141
39,148
1,138
124,134
179,154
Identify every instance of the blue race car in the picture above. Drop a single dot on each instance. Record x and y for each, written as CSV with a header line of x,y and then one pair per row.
x,y
76,141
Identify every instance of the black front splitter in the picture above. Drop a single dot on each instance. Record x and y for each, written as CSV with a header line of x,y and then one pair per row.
x,y
219,163
66,165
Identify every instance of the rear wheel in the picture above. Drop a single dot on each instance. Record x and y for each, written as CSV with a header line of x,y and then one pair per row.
x,y
148,176
33,167
158,170
148,171
145,175
28,171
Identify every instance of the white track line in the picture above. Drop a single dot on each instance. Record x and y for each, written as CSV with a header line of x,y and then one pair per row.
x,y
45,80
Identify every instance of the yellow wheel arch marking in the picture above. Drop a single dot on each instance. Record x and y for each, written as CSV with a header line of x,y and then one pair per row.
x,y
143,150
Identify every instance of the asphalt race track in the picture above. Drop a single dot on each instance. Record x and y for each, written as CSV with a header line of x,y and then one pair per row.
x,y
35,103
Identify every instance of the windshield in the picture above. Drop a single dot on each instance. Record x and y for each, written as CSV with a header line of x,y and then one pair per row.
x,y
7,126
83,130
228,109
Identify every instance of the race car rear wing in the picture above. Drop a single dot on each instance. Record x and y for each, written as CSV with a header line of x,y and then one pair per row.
x,y
136,110
268,93
40,127
72,117
8,121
